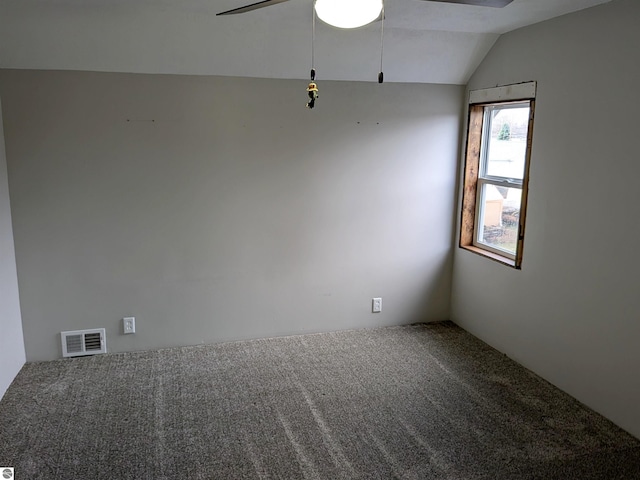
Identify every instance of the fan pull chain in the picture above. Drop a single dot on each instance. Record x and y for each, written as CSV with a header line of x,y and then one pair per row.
x,y
313,39
381,75
312,88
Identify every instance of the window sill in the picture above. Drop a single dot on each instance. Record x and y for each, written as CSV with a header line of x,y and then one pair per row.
x,y
493,256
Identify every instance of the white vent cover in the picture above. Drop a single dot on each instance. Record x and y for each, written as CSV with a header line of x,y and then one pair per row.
x,y
83,342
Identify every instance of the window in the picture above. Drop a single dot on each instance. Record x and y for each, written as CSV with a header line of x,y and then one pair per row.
x,y
496,172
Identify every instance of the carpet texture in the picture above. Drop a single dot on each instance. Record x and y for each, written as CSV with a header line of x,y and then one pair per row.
x,y
415,402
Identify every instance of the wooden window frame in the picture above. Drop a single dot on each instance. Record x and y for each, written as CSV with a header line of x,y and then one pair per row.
x,y
474,145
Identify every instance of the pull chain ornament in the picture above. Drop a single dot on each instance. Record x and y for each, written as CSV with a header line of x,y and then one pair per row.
x,y
312,90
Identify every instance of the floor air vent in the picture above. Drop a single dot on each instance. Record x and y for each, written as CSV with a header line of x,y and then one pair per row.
x,y
83,342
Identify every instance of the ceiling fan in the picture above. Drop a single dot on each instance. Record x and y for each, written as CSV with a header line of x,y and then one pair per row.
x,y
351,14
268,3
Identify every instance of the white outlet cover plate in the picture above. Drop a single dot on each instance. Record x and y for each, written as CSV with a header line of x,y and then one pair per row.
x,y
377,305
129,325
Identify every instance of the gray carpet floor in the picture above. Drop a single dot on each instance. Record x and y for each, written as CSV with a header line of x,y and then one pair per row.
x,y
415,402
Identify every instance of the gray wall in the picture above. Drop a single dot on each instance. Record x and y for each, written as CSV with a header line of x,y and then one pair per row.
x,y
573,313
217,208
12,355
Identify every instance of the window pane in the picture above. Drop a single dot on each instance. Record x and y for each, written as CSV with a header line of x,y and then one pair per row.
x,y
499,216
507,141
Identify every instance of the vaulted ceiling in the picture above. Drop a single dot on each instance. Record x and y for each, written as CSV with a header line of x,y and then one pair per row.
x,y
424,41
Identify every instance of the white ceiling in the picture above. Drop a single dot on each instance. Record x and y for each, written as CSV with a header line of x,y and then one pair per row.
x,y
425,41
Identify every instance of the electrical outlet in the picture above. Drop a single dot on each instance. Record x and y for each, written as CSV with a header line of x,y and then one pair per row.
x,y
377,305
129,325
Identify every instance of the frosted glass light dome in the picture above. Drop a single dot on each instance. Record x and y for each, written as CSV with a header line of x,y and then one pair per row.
x,y
348,13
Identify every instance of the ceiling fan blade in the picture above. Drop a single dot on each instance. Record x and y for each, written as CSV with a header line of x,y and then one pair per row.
x,y
479,3
253,6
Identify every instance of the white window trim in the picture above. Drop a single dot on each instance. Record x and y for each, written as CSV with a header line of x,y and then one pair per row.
x,y
506,93
485,179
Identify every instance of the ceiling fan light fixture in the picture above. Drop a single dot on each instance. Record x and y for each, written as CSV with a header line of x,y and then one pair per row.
x,y
348,13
